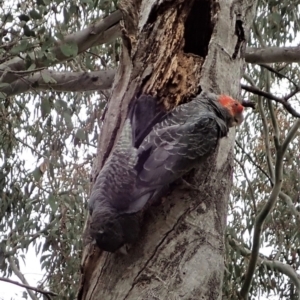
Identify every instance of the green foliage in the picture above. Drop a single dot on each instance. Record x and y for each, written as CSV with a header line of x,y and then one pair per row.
x,y
47,141
69,50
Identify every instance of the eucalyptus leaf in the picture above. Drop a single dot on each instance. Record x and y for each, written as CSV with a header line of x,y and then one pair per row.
x,y
69,49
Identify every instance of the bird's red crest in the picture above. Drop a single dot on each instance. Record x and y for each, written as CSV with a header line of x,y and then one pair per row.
x,y
227,101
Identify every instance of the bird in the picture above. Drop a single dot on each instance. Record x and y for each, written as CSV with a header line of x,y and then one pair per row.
x,y
154,149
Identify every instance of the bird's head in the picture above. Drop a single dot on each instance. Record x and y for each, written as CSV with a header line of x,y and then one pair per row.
x,y
106,230
111,231
235,109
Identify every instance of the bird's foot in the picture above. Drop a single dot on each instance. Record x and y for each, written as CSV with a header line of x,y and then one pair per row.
x,y
187,186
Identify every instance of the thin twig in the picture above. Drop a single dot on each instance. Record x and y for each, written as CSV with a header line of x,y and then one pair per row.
x,y
280,75
266,138
249,79
258,34
254,163
257,91
31,148
291,206
291,94
46,293
272,113
249,185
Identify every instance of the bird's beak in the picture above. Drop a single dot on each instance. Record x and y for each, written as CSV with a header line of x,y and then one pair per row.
x,y
239,120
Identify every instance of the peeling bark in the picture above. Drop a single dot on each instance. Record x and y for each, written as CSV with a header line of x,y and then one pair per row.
x,y
180,251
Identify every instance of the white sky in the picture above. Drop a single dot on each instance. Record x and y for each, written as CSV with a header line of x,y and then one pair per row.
x,y
32,272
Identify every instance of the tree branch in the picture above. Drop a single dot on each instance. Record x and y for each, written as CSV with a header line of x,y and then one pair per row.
x,y
272,55
272,264
107,30
17,272
267,208
98,33
292,93
62,82
247,103
257,91
46,293
280,75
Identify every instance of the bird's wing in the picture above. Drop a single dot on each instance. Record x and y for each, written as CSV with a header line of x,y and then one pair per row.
x,y
167,153
144,113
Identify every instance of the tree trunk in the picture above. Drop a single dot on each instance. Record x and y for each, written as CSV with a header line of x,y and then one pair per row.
x,y
173,50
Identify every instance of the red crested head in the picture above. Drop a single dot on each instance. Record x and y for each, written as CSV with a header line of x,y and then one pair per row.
x,y
235,109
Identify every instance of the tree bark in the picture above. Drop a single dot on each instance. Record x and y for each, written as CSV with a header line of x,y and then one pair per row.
x,y
273,55
173,50
62,82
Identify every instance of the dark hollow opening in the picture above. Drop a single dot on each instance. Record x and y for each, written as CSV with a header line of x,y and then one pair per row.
x,y
199,21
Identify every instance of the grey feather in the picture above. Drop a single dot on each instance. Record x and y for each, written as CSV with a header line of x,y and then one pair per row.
x,y
176,145
154,149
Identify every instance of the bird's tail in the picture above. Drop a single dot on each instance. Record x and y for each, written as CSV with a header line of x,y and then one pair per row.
x,y
125,146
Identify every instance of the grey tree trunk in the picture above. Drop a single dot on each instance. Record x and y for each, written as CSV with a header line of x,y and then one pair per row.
x,y
174,49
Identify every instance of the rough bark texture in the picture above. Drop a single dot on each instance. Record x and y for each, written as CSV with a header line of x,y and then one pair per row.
x,y
174,49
